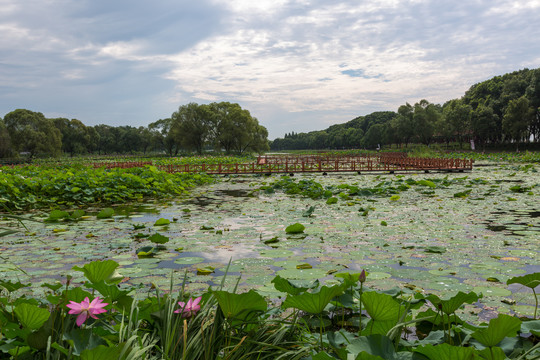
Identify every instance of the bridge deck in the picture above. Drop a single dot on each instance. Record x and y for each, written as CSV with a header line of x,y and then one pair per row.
x,y
368,164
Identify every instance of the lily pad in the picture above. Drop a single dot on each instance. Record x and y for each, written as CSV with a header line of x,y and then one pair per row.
x,y
296,228
492,291
189,260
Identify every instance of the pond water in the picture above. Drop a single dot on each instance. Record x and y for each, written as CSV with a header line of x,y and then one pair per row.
x,y
428,239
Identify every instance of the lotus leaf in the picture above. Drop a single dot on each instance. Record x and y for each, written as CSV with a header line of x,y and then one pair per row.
x,y
295,228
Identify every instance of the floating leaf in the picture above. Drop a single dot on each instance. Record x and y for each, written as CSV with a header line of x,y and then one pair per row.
x,y
188,260
435,249
304,266
295,228
462,194
309,211
105,213
145,251
157,238
162,222
428,183
56,215
273,240
77,214
332,200
207,270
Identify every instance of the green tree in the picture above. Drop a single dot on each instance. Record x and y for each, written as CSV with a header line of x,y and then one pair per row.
x,y
106,141
517,119
128,139
192,126
31,132
236,130
457,119
93,137
375,136
484,125
163,137
425,117
403,124
533,95
145,138
75,135
353,138
5,141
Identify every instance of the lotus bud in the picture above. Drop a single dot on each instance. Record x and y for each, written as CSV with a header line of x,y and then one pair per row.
x,y
362,277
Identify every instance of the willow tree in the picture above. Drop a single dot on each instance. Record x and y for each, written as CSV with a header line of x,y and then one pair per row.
x,y
236,130
192,126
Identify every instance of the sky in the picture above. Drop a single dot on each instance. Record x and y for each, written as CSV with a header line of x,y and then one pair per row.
x,y
296,65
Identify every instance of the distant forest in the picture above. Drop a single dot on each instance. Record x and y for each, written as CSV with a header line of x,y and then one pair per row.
x,y
502,110
499,111
193,128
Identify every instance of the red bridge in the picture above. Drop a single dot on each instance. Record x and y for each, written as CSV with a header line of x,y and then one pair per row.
x,y
385,162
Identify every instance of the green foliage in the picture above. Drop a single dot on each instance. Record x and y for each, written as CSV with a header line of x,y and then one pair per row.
x,y
240,306
98,271
445,352
243,326
38,186
382,307
31,132
373,347
498,328
449,306
105,213
313,303
530,280
31,316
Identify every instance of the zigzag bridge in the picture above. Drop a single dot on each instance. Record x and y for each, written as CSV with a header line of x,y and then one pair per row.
x,y
288,164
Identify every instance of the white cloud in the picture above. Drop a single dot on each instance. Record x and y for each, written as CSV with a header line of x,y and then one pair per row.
x,y
253,7
301,62
513,7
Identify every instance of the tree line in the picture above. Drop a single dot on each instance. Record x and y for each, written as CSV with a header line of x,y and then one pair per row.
x,y
220,126
501,110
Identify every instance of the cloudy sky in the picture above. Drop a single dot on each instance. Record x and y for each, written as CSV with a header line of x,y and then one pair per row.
x,y
297,65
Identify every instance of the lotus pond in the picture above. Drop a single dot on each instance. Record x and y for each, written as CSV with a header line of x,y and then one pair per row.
x,y
436,233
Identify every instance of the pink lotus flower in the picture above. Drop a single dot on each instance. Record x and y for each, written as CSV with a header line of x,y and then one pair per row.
x,y
189,309
86,309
